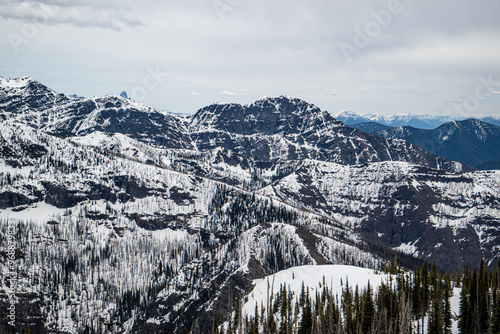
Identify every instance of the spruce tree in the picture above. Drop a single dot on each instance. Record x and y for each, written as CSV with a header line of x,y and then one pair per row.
x,y
473,298
425,292
435,325
465,315
306,322
215,327
483,299
368,310
348,310
495,321
447,316
416,294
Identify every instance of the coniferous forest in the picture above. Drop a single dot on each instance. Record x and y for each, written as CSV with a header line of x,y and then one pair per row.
x,y
415,301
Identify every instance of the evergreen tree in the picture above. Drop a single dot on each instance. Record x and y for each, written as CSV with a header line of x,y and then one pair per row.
x,y
368,310
306,321
495,323
465,316
417,303
435,325
425,292
473,298
483,299
447,316
237,316
215,327
348,310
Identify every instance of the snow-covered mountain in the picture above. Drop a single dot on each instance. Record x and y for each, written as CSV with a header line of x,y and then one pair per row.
x,y
157,241
29,102
270,130
284,129
129,219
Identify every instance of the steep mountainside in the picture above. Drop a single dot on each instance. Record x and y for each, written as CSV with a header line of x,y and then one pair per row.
x,y
472,141
29,102
450,218
283,128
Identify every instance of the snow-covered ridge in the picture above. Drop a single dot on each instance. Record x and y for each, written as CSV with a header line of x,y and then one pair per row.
x,y
304,131
15,82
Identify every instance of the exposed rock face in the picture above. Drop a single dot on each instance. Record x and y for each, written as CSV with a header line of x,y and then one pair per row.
x,y
283,128
450,218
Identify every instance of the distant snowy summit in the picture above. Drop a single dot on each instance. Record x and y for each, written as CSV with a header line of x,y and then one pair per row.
x,y
124,95
420,121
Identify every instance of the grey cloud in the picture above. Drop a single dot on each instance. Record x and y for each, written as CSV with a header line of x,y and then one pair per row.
x,y
103,14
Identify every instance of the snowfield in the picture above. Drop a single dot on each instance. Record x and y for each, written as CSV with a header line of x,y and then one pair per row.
x,y
314,277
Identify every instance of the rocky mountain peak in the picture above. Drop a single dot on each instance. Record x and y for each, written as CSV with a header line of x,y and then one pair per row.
x,y
269,115
25,95
26,85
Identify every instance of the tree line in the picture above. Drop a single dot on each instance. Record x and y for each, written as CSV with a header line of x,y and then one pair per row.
x,y
408,302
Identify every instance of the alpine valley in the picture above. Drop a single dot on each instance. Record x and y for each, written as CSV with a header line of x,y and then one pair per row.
x,y
130,219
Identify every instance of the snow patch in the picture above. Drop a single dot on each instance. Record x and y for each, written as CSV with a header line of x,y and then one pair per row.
x,y
314,277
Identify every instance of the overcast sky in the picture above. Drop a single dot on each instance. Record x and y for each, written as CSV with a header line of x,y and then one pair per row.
x,y
383,57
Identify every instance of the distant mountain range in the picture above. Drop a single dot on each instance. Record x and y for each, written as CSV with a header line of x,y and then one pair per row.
x,y
423,121
473,142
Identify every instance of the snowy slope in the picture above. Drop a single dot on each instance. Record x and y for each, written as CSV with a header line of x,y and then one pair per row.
x,y
141,230
315,279
335,277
